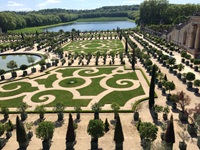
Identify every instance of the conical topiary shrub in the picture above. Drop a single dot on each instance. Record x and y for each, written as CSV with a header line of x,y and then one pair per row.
x,y
118,135
106,124
70,136
169,135
21,135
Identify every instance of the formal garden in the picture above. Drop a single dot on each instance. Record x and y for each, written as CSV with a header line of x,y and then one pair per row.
x,y
111,86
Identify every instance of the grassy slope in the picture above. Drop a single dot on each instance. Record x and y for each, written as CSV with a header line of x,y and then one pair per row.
x,y
40,28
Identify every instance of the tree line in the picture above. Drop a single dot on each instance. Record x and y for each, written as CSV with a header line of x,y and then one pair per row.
x,y
161,12
18,20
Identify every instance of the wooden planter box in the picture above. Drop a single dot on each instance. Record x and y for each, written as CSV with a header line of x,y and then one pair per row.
x,y
183,116
182,146
192,129
46,144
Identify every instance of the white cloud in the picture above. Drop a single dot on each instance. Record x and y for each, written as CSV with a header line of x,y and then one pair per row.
x,y
47,2
14,4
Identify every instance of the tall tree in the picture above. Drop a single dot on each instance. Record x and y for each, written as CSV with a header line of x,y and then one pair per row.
x,y
133,59
118,135
126,46
152,88
21,135
70,136
169,135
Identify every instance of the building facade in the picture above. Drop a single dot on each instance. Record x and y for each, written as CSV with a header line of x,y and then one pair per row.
x,y
187,35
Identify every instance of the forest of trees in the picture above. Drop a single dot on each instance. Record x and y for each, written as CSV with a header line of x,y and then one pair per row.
x,y
161,12
150,12
17,20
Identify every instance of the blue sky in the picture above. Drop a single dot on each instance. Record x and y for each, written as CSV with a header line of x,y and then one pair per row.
x,y
28,5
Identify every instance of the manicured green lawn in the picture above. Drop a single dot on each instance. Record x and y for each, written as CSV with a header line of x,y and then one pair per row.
x,y
93,89
12,103
38,29
48,81
72,82
112,82
24,87
121,97
61,96
67,72
100,72
93,46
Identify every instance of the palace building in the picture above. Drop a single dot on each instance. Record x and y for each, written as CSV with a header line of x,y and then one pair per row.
x,y
187,35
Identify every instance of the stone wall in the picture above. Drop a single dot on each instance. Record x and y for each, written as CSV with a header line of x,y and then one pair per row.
x,y
187,36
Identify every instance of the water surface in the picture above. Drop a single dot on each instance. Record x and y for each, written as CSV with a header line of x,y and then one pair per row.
x,y
19,59
93,26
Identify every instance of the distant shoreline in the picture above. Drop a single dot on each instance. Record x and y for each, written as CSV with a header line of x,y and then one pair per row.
x,y
40,28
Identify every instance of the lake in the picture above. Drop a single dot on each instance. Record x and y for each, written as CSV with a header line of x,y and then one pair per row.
x,y
93,26
19,59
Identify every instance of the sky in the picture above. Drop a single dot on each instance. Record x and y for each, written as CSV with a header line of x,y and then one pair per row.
x,y
29,5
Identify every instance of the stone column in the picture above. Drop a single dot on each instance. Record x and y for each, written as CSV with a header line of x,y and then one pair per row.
x,y
192,34
197,39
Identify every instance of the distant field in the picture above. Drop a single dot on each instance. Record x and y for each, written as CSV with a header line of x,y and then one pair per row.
x,y
40,28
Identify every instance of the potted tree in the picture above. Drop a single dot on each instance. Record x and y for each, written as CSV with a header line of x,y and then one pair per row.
x,y
174,100
184,136
12,64
160,76
135,109
190,77
42,65
41,110
96,108
169,86
183,101
180,68
5,112
96,130
148,133
31,60
163,127
171,61
22,109
2,72
23,68
165,112
59,109
9,127
196,84
45,132
77,109
2,140
115,107
29,127
157,109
